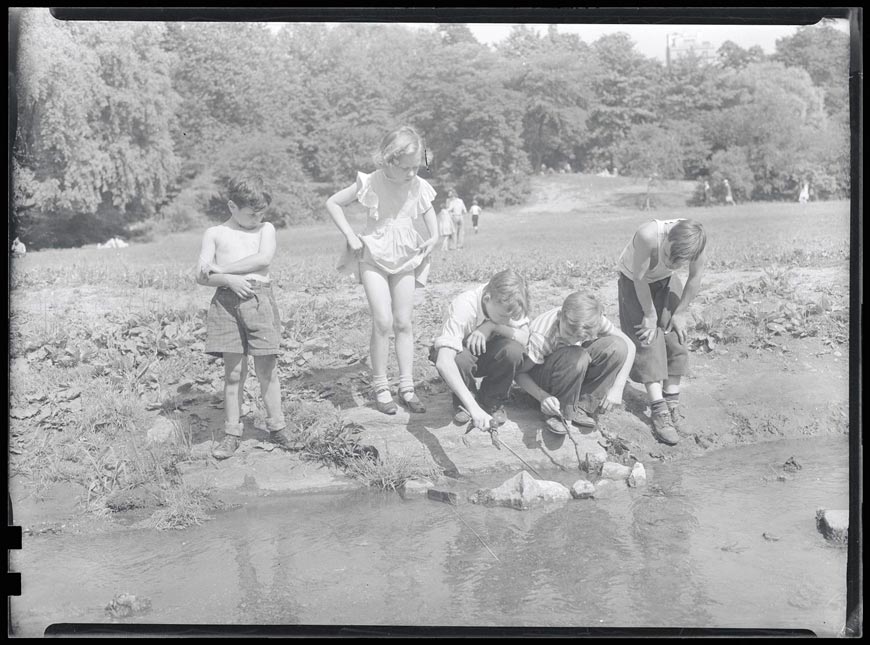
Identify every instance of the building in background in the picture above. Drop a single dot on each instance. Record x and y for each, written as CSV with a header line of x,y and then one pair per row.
x,y
680,45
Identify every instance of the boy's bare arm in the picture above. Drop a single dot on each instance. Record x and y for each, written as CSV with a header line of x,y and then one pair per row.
x,y
693,283
259,261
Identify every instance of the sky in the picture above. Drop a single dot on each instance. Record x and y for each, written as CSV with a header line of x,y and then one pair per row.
x,y
649,39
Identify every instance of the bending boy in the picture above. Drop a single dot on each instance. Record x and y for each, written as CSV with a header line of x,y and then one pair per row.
x,y
484,336
652,304
577,363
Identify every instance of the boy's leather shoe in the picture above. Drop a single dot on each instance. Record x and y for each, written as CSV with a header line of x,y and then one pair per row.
x,y
663,429
227,447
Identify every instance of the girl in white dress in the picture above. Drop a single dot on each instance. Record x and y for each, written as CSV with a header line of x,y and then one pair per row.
x,y
445,227
390,257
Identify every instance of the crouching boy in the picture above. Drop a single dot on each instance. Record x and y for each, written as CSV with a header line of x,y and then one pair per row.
x,y
484,336
577,363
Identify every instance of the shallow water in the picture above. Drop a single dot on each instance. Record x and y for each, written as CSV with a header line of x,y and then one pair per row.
x,y
685,551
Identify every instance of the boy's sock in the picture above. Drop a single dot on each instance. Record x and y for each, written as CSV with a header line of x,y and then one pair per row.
x,y
406,386
671,397
381,387
659,406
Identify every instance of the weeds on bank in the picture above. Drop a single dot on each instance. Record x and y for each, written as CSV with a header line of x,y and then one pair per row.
x,y
183,506
390,472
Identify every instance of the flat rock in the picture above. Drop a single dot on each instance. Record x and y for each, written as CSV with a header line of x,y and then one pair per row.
x,y
522,491
834,525
434,437
162,430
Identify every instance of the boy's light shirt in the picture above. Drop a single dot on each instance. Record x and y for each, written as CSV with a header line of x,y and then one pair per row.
x,y
464,315
544,335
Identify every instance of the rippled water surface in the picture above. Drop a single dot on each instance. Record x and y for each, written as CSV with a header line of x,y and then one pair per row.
x,y
686,551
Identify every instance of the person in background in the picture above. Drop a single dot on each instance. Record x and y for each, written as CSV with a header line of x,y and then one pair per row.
x,y
475,211
445,228
729,197
457,210
391,258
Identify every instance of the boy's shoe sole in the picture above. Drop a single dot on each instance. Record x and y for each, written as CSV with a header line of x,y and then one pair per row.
x,y
461,417
555,425
584,421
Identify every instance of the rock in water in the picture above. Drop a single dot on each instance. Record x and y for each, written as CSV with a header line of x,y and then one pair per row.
x,y
582,489
834,525
522,492
415,488
637,476
791,465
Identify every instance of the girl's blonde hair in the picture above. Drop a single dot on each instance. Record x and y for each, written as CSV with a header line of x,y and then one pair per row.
x,y
688,239
508,288
581,312
402,141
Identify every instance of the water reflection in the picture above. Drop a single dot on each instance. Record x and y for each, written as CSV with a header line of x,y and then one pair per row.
x,y
685,551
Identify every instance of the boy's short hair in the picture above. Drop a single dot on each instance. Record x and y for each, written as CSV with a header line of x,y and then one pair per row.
x,y
249,191
688,239
508,288
581,311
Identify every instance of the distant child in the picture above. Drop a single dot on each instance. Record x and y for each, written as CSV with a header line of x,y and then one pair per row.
x,y
707,193
729,198
445,228
391,257
484,335
652,303
475,214
576,364
243,317
457,209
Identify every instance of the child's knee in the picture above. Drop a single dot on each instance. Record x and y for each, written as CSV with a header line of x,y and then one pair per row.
x,y
510,351
402,324
382,325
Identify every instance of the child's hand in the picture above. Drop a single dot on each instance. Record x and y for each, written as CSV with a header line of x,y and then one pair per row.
x,y
646,330
239,286
476,342
677,324
551,407
206,267
427,246
354,242
481,419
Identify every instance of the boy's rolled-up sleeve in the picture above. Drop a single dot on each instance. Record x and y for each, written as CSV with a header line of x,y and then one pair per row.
x,y
458,323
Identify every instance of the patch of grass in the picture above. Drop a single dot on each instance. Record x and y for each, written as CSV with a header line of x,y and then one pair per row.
x,y
389,471
182,506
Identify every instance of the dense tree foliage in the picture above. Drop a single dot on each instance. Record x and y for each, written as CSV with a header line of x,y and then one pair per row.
x,y
119,123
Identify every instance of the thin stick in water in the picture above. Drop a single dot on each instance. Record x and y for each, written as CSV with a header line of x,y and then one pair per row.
x,y
473,531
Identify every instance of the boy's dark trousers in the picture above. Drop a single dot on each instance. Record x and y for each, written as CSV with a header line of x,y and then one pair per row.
x,y
665,356
581,376
497,366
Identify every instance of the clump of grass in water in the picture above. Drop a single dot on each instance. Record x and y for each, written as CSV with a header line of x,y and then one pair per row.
x,y
183,506
389,471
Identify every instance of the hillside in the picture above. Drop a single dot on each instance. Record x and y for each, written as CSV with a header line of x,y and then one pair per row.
x,y
576,191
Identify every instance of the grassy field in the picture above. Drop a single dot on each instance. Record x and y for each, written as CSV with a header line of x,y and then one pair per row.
x,y
105,340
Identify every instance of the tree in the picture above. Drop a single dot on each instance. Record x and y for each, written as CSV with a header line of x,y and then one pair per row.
x,y
471,120
625,86
823,51
733,56
456,33
650,150
93,148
